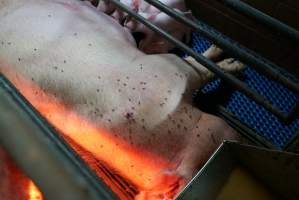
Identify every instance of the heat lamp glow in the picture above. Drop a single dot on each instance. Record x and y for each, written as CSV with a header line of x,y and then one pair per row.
x,y
33,192
143,169
14,184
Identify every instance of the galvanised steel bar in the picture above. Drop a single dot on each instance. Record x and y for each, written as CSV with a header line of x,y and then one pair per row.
x,y
42,154
263,18
293,144
206,62
293,114
236,50
244,130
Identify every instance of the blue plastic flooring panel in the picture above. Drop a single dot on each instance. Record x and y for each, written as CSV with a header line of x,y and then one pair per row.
x,y
250,113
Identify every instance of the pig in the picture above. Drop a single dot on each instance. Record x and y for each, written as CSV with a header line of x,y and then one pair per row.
x,y
150,42
66,51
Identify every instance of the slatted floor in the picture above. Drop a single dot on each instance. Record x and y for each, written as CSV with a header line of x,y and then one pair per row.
x,y
253,115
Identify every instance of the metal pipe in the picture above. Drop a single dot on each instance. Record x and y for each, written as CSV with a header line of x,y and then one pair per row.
x,y
235,49
263,18
42,154
244,130
293,144
206,62
293,114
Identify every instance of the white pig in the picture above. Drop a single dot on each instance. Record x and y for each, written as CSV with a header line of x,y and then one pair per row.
x,y
89,63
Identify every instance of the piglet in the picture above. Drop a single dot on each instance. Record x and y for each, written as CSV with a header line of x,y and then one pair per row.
x,y
150,42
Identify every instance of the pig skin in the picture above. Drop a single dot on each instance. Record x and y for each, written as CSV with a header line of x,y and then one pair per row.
x,y
90,63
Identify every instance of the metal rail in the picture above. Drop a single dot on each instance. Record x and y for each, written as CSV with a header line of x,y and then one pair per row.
x,y
293,144
239,85
263,18
235,49
244,130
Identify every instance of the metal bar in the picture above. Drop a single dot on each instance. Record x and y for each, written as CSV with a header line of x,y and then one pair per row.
x,y
206,62
244,130
235,49
42,154
274,168
263,18
293,114
293,144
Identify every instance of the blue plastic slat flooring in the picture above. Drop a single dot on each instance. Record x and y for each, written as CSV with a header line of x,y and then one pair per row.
x,y
253,115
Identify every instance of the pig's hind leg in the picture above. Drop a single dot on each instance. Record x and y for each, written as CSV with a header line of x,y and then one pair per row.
x,y
213,53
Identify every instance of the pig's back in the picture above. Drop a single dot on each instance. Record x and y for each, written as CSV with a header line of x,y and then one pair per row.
x,y
88,61
63,30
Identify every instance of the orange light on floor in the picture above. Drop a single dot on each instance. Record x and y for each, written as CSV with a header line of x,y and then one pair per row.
x,y
143,169
33,192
